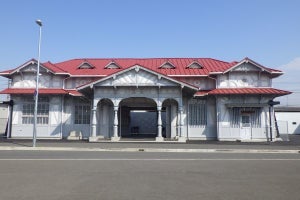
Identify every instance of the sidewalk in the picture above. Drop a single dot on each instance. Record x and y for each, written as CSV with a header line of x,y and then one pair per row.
x,y
191,146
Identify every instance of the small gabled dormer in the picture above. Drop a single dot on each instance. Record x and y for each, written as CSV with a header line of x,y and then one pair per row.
x,y
86,65
167,65
112,65
194,65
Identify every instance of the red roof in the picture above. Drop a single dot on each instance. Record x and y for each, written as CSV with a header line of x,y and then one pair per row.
x,y
154,64
241,91
41,91
180,66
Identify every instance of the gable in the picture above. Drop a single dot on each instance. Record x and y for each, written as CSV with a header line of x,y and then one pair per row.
x,y
136,77
246,67
32,68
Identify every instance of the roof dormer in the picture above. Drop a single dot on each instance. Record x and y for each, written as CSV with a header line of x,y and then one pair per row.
x,y
194,65
167,65
112,65
85,65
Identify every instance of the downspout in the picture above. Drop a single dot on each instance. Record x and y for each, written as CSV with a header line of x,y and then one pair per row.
x,y
9,123
276,126
270,123
217,108
61,116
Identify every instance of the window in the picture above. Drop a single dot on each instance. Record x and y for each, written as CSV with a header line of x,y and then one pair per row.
x,y
197,113
250,114
42,111
82,113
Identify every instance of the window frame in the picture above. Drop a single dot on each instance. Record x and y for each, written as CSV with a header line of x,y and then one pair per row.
x,y
82,113
197,112
42,110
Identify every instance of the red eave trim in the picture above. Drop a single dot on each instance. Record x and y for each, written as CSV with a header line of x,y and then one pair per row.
x,y
41,91
239,91
242,91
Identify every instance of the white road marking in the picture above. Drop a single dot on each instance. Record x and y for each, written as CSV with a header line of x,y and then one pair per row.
x,y
153,150
150,159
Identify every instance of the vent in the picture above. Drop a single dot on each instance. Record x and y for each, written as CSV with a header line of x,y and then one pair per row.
x,y
112,65
167,65
194,65
85,65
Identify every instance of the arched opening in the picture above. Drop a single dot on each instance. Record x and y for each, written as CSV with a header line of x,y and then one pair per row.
x,y
169,118
105,118
138,118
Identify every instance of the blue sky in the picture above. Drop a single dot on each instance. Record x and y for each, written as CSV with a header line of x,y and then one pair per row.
x,y
266,31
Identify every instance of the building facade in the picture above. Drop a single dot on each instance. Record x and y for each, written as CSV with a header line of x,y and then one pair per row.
x,y
159,98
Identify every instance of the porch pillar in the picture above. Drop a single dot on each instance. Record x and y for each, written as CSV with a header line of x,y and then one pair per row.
x,y
116,123
182,137
94,122
159,137
93,135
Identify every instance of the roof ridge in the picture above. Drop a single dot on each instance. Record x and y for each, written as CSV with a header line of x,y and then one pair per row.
x,y
142,58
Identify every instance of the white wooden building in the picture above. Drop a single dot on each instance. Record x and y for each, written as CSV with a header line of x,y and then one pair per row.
x,y
161,98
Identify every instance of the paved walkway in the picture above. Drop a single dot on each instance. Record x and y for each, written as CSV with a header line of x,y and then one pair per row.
x,y
191,146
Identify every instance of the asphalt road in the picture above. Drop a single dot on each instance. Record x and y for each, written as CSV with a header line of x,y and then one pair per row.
x,y
142,175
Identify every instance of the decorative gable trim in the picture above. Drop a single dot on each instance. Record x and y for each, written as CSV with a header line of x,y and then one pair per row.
x,y
167,65
28,63
137,68
255,64
194,65
85,65
112,65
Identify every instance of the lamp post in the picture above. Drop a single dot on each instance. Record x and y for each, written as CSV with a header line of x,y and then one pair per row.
x,y
36,93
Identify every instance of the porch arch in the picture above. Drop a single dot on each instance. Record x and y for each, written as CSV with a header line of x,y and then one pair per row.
x,y
105,117
138,117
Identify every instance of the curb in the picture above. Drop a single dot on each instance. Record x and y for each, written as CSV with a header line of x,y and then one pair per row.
x,y
154,150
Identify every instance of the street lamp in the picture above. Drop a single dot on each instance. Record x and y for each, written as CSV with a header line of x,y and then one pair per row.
x,y
36,93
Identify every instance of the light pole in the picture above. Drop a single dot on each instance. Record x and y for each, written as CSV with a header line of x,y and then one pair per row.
x,y
36,93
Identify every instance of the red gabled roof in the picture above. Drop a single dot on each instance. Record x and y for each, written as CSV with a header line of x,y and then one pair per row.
x,y
41,91
154,64
210,66
243,91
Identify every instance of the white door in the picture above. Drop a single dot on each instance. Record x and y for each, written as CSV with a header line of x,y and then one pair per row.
x,y
245,132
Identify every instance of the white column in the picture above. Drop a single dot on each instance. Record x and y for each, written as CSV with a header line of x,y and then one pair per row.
x,y
159,137
168,122
178,124
94,121
116,123
93,135
182,137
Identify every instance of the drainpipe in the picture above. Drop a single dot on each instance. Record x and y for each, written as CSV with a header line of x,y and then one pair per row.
x,y
61,116
9,123
270,123
271,103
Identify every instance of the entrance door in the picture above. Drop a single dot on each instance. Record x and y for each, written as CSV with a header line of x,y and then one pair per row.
x,y
245,132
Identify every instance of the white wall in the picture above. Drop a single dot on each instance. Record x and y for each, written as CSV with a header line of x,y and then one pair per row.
x,y
289,119
243,79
